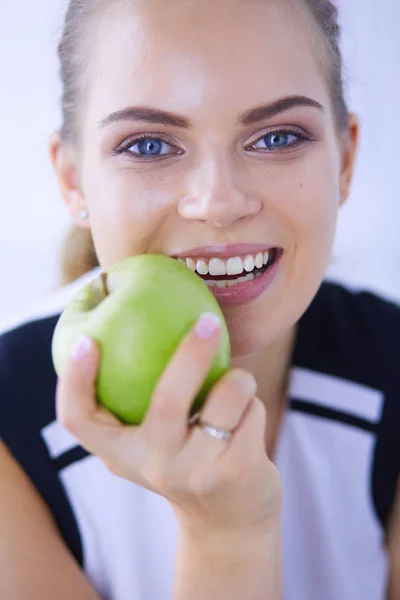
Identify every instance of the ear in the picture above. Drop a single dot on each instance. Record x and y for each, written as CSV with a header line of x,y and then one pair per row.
x,y
64,159
349,147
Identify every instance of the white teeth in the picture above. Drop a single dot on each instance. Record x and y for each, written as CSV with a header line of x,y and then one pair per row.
x,y
221,283
234,266
202,267
248,263
259,260
191,264
247,277
217,267
224,283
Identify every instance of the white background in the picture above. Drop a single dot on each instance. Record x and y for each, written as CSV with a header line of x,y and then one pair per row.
x,y
33,220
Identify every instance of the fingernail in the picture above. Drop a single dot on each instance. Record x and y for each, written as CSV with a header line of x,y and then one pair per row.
x,y
207,325
83,347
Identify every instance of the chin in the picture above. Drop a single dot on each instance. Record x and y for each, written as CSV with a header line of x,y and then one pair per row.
x,y
254,331
250,336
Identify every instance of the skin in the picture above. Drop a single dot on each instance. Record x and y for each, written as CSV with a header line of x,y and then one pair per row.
x,y
227,498
208,62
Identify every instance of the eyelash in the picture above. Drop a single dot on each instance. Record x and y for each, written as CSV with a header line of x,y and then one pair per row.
x,y
127,144
124,147
302,138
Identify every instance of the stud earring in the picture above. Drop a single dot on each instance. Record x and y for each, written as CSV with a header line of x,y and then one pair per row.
x,y
83,214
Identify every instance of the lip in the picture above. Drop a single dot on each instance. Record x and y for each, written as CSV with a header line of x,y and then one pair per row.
x,y
223,251
248,291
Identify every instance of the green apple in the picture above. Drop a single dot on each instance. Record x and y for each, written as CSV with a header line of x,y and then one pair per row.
x,y
138,312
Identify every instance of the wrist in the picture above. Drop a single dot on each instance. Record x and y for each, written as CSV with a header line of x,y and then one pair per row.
x,y
233,545
235,564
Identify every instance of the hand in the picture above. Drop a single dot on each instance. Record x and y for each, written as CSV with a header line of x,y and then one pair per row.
x,y
212,485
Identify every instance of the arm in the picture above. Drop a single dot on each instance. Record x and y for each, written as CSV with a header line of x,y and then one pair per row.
x,y
226,494
394,550
34,562
230,571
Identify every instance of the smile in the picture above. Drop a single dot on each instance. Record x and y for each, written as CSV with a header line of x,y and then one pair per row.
x,y
237,279
220,273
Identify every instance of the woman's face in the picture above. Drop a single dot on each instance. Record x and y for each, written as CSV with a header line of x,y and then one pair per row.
x,y
181,153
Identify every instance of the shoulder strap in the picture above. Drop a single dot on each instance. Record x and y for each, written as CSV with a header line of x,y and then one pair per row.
x,y
356,335
27,405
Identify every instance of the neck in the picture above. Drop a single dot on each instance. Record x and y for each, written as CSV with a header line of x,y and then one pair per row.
x,y
270,366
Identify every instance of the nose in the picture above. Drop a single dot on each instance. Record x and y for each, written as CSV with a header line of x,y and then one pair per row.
x,y
216,196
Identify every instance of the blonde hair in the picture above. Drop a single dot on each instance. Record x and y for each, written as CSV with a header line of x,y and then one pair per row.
x,y
78,255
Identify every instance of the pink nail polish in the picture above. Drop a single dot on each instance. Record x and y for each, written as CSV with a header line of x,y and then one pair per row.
x,y
207,325
82,348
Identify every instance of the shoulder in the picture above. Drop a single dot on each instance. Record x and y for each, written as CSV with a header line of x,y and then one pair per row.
x,y
354,334
366,311
27,376
24,331
27,406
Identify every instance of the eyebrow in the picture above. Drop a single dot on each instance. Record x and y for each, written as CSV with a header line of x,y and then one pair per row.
x,y
147,115
267,111
162,117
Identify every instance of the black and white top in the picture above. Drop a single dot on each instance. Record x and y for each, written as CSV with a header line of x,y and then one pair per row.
x,y
338,454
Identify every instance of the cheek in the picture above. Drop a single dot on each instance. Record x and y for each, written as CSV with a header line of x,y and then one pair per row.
x,y
316,214
313,213
306,198
318,210
127,210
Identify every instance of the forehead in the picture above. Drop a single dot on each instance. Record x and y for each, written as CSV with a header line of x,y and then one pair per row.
x,y
228,54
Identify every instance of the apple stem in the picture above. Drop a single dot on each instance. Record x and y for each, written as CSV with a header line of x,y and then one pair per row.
x,y
104,284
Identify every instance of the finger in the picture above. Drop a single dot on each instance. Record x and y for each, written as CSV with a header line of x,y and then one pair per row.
x,y
76,404
166,422
225,408
246,460
248,444
228,399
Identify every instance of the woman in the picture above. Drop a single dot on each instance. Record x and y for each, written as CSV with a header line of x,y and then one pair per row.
x,y
211,131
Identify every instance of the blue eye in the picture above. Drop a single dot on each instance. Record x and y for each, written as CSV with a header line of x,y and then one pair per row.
x,y
276,141
149,147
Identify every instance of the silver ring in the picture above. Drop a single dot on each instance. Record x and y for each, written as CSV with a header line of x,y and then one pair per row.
x,y
218,434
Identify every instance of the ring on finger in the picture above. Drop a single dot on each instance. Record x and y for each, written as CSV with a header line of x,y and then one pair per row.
x,y
218,434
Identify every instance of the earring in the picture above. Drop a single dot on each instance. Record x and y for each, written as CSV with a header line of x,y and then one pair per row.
x,y
83,214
